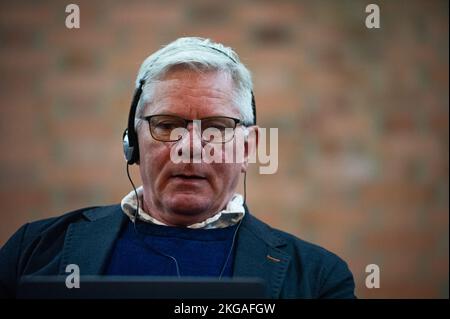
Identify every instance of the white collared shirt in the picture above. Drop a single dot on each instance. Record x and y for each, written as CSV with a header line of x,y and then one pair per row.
x,y
231,215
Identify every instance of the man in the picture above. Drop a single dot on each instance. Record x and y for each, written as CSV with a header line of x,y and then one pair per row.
x,y
186,219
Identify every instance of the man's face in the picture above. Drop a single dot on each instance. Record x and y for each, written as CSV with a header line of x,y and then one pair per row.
x,y
184,193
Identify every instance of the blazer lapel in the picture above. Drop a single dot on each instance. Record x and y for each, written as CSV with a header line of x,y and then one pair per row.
x,y
258,254
88,244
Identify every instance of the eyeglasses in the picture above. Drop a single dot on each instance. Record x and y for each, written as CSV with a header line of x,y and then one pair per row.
x,y
169,128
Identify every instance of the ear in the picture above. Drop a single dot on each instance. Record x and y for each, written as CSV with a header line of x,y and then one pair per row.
x,y
250,146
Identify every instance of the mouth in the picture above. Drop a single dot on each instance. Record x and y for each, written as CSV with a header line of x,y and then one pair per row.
x,y
189,177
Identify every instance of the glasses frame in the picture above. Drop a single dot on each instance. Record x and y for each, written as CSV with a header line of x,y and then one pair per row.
x,y
237,122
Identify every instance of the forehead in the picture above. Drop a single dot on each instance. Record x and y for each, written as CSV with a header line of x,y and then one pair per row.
x,y
192,93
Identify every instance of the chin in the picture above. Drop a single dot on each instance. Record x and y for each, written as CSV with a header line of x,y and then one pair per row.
x,y
188,203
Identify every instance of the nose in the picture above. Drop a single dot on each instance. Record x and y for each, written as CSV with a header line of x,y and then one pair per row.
x,y
191,141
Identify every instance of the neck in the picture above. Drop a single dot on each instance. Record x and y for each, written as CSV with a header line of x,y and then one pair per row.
x,y
175,218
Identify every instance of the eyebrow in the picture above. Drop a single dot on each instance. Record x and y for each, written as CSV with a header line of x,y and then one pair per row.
x,y
166,113
177,115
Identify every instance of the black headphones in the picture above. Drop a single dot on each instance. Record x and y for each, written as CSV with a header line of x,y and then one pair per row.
x,y
130,139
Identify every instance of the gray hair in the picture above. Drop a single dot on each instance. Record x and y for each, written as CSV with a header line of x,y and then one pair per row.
x,y
197,54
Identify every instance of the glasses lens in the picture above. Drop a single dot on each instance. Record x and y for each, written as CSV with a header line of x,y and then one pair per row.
x,y
162,126
218,129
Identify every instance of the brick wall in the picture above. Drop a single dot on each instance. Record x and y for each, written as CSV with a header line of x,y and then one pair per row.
x,y
362,117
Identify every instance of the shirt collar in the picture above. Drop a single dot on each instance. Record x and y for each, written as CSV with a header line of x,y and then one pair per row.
x,y
231,215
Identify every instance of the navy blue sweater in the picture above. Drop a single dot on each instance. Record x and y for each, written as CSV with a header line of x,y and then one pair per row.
x,y
199,252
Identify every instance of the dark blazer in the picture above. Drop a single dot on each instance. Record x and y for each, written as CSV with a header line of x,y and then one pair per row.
x,y
291,267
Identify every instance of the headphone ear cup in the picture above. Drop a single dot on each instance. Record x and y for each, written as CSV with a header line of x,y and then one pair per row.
x,y
129,138
128,150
